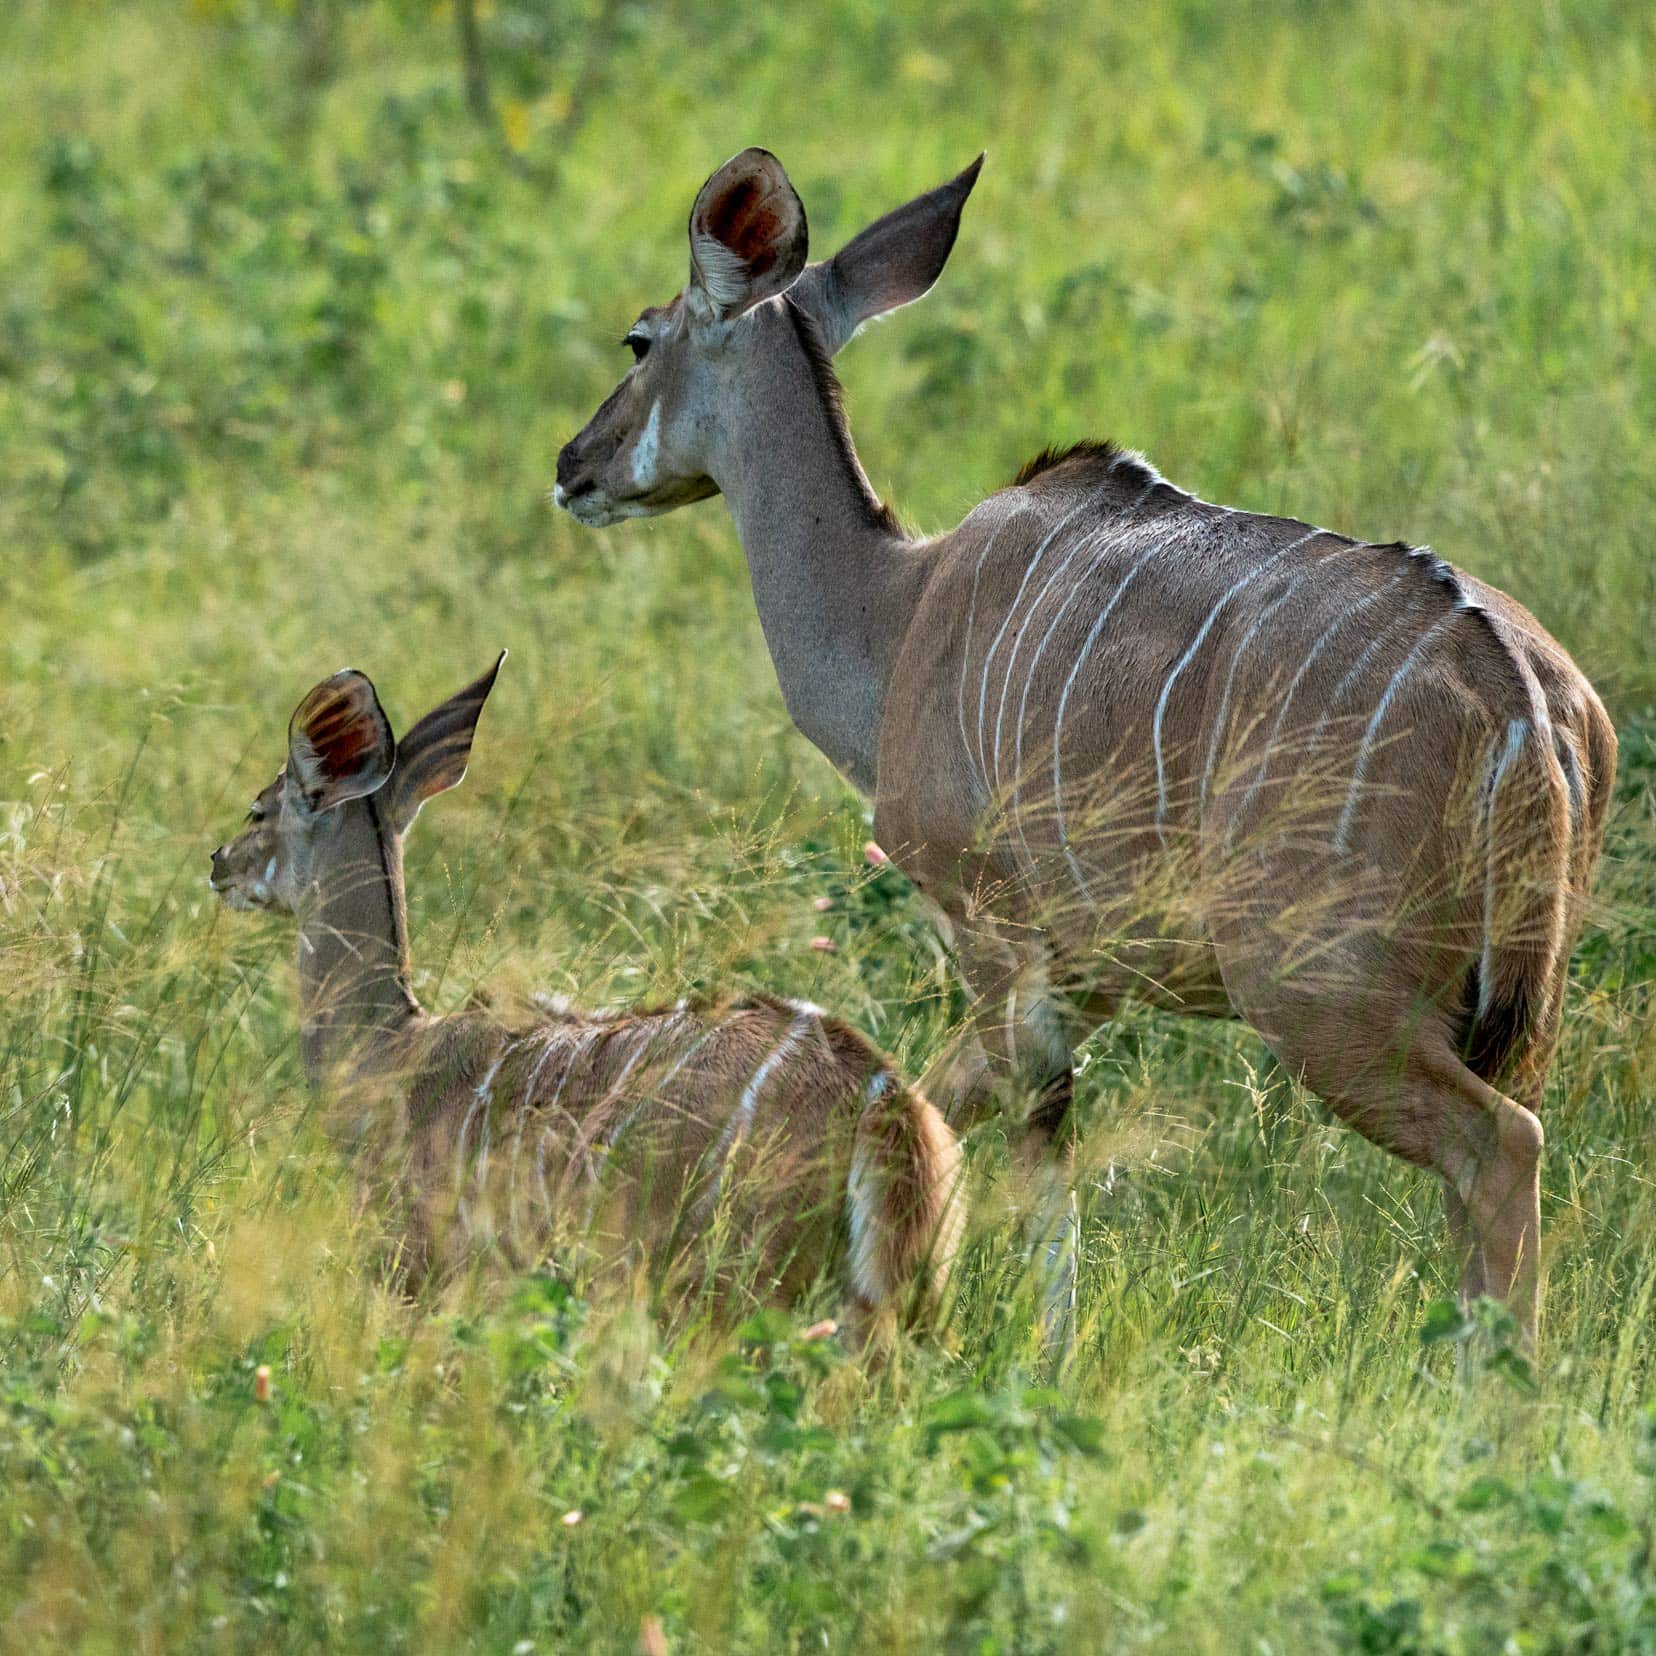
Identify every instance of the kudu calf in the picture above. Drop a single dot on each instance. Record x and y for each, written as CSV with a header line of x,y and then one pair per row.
x,y
1135,744
762,1121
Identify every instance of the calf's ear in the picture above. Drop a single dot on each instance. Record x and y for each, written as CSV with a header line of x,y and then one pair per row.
x,y
340,745
433,756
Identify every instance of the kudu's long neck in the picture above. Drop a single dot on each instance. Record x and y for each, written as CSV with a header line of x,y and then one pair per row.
x,y
353,943
834,578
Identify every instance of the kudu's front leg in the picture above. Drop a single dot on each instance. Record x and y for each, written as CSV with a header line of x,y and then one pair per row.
x,y
1016,1052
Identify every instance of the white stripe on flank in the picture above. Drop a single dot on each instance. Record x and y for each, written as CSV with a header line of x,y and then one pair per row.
x,y
549,1045
595,1148
1241,649
1082,544
577,1048
741,1120
1540,713
1541,717
1351,675
482,1100
966,655
657,1093
1185,660
1011,610
1324,639
1077,587
1063,702
779,1054
1342,833
661,1086
1517,729
646,1036
513,1220
482,1096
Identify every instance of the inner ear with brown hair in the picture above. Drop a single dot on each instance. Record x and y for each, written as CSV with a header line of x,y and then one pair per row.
x,y
748,236
340,745
433,756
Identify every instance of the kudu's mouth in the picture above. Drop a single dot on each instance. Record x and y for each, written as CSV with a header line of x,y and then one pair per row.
x,y
597,509
235,894
590,506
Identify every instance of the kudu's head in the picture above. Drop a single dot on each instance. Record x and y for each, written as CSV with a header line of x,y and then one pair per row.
x,y
348,788
657,441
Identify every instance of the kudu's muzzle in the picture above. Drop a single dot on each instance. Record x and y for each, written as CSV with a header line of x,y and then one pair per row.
x,y
574,476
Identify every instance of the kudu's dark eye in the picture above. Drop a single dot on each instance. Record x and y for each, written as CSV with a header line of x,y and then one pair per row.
x,y
638,344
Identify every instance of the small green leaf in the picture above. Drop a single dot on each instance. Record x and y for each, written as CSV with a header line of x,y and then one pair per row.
x,y
1486,1492
766,1328
1444,1320
1081,1432
1514,1368
962,1411
389,1353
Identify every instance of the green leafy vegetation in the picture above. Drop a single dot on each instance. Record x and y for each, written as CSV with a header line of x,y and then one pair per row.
x,y
291,328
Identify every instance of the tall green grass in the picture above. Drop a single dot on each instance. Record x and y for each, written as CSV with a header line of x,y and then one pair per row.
x,y
287,345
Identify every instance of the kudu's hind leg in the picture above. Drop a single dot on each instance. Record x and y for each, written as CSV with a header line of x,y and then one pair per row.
x,y
1425,1105
1516,1194
1464,1240
1496,1171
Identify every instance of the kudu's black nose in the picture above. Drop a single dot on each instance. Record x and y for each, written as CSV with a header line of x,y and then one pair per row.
x,y
569,472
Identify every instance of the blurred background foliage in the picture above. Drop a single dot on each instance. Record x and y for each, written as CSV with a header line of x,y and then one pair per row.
x,y
297,302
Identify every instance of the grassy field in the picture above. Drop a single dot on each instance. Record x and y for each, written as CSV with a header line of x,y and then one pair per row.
x,y
288,342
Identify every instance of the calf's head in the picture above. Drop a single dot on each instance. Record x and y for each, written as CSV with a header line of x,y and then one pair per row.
x,y
347,785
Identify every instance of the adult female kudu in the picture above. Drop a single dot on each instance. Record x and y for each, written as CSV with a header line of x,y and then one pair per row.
x,y
757,1120
1135,744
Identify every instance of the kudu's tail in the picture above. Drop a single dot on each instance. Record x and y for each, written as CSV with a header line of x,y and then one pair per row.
x,y
1532,810
906,1202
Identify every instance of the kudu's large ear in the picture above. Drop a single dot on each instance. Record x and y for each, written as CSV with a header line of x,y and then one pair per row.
x,y
340,745
893,262
748,236
433,756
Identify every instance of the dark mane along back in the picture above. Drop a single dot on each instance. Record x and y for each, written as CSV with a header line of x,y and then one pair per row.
x,y
1105,456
